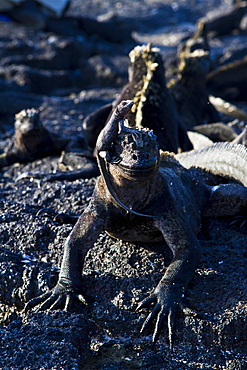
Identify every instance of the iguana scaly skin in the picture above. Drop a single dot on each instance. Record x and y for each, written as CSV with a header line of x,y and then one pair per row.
x,y
226,159
149,184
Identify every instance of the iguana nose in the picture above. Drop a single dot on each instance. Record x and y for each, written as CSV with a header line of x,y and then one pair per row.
x,y
132,146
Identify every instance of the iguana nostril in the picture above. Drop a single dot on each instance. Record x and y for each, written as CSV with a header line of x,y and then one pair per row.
x,y
132,146
134,156
128,139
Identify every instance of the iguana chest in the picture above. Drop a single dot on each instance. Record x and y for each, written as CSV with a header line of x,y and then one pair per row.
x,y
133,228
168,200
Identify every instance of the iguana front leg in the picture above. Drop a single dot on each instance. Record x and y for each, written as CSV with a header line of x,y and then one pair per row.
x,y
169,295
85,232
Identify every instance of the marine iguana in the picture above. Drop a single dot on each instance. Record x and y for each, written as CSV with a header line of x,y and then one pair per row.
x,y
154,106
189,90
147,197
197,109
32,141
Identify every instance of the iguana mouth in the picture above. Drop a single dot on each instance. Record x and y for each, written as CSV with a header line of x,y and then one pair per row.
x,y
30,131
138,170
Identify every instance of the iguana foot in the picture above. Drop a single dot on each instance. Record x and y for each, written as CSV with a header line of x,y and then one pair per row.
x,y
167,302
64,218
61,296
46,212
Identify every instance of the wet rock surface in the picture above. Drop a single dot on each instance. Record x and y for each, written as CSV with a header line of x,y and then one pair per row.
x,y
68,71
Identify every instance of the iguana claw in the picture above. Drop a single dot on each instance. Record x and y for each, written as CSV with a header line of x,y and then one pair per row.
x,y
167,303
58,297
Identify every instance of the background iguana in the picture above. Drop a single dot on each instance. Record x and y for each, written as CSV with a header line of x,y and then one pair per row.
x,y
32,141
154,106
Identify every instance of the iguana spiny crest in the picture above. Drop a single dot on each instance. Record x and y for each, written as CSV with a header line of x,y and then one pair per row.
x,y
135,150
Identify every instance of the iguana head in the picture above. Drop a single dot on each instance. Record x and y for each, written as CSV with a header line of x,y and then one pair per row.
x,y
27,122
134,152
125,152
142,59
196,63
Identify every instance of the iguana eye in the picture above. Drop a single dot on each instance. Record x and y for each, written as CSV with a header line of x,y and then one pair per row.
x,y
134,156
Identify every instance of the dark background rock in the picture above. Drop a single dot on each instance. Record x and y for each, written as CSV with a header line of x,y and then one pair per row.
x,y
68,71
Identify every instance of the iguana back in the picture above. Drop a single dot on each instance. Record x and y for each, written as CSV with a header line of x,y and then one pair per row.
x,y
226,159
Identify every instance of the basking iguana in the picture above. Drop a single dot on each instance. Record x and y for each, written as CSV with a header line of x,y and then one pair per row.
x,y
189,90
33,141
147,197
154,106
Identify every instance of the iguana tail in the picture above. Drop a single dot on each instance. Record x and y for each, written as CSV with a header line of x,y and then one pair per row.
x,y
226,159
